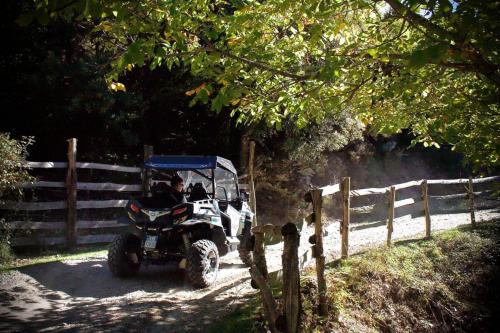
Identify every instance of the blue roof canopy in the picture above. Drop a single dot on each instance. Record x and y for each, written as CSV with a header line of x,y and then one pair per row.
x,y
188,162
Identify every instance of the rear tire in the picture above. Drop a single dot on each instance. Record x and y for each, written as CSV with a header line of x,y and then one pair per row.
x,y
121,255
202,263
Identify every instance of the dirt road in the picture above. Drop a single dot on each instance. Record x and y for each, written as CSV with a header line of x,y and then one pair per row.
x,y
82,295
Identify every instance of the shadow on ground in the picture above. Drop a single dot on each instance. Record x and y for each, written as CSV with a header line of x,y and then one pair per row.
x,y
81,296
94,279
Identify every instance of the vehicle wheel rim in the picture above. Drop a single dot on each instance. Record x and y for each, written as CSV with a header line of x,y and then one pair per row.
x,y
211,266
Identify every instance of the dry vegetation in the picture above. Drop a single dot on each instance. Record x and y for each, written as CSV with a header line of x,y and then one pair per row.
x,y
448,284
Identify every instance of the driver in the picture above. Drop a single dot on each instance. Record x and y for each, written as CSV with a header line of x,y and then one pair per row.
x,y
177,192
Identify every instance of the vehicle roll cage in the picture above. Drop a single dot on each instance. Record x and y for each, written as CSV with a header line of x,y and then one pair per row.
x,y
194,164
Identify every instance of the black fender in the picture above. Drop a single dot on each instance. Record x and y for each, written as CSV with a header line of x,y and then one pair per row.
x,y
131,226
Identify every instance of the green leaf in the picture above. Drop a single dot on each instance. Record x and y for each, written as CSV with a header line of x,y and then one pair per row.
x,y
25,19
431,54
372,52
418,59
42,17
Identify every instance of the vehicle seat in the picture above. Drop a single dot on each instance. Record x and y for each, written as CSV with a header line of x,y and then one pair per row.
x,y
198,193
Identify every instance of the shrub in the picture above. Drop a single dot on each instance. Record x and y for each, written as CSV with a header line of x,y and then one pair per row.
x,y
13,173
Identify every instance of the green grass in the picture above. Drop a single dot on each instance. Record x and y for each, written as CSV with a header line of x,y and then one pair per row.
x,y
33,258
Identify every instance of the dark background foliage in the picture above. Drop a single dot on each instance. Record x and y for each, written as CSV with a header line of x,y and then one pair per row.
x,y
53,88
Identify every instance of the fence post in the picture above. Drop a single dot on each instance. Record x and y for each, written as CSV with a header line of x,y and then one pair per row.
x,y
71,181
344,227
146,173
253,202
470,189
259,253
317,201
259,273
427,214
390,221
270,306
291,277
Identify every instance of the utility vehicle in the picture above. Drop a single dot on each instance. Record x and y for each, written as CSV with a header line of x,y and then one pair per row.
x,y
213,220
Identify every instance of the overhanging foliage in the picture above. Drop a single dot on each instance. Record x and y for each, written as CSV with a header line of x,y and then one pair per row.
x,y
429,65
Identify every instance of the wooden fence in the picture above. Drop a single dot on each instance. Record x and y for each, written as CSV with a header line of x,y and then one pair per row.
x,y
72,224
285,318
72,230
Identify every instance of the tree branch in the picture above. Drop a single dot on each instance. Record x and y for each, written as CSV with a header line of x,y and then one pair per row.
x,y
416,19
260,65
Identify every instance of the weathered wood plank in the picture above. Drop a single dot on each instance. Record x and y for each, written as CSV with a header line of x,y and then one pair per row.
x,y
404,202
32,225
270,306
52,205
82,224
110,167
101,204
470,194
449,196
40,241
317,199
346,216
93,239
447,181
46,165
109,187
427,213
48,241
408,184
362,209
390,220
368,191
44,184
259,253
88,186
291,277
98,224
330,189
31,206
71,192
485,180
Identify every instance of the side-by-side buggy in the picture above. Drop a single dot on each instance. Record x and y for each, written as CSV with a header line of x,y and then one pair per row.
x,y
213,220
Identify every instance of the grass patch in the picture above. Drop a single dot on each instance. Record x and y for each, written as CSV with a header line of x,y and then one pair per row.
x,y
448,283
35,258
249,317
244,319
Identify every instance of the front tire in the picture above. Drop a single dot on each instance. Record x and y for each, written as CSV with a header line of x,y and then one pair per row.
x,y
124,255
202,263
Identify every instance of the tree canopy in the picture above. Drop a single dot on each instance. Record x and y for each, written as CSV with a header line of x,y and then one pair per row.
x,y
429,65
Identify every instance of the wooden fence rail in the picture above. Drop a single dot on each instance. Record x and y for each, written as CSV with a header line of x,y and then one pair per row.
x,y
87,186
83,165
